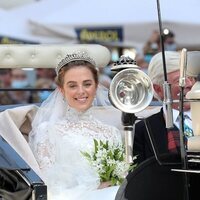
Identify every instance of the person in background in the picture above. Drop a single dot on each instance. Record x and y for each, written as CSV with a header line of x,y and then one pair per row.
x,y
43,83
169,41
46,73
5,78
104,79
166,140
5,83
152,46
19,80
139,58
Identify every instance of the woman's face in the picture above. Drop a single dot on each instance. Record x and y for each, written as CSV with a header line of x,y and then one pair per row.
x,y
79,88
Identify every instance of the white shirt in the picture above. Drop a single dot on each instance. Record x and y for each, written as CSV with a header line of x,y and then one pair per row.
x,y
188,119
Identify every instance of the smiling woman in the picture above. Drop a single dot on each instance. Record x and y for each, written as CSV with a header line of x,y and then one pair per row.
x,y
78,84
77,129
65,125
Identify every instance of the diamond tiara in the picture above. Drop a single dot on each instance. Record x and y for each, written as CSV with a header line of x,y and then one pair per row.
x,y
79,55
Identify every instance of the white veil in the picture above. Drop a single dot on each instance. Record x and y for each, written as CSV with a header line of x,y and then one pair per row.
x,y
54,107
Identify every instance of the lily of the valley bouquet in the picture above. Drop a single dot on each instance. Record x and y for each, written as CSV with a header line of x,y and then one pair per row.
x,y
109,161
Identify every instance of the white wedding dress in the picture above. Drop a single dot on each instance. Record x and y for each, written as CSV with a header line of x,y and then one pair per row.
x,y
57,148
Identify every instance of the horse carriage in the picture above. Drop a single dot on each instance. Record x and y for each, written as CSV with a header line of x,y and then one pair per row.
x,y
160,177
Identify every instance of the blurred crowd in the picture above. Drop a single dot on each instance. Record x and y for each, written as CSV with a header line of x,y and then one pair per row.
x,y
18,79
153,46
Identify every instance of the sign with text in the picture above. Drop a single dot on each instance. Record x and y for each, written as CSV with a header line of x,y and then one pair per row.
x,y
9,40
104,34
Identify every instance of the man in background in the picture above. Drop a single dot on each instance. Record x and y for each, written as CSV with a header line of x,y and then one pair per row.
x,y
5,78
169,41
165,140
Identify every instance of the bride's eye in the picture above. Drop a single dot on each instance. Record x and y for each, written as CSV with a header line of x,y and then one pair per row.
x,y
72,86
87,84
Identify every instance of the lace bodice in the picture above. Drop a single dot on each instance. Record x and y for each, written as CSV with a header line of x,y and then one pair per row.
x,y
84,127
59,145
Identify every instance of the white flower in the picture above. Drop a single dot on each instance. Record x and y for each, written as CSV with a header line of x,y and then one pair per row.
x,y
108,161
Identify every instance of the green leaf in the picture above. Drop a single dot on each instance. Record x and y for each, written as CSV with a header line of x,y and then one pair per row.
x,y
132,167
101,143
110,155
104,177
108,173
95,146
106,145
113,181
86,155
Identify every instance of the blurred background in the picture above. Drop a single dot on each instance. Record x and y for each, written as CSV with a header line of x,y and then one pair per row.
x,y
127,27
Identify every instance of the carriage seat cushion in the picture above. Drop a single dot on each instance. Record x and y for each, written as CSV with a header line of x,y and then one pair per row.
x,y
14,122
18,117
193,144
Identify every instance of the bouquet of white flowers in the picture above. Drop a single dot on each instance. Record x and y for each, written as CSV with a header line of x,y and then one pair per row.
x,y
109,161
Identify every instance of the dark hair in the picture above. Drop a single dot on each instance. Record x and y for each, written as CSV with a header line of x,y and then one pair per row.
x,y
4,71
169,35
60,77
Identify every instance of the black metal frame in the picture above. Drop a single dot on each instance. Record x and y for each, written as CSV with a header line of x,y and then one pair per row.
x,y
17,179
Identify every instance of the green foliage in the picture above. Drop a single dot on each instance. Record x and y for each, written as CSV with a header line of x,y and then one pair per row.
x,y
109,161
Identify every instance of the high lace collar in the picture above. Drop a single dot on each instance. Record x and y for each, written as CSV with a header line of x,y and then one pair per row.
x,y
75,116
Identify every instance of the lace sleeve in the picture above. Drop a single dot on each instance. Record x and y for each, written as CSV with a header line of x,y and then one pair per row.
x,y
42,146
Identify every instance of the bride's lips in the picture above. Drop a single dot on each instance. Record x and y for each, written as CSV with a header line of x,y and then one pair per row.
x,y
81,99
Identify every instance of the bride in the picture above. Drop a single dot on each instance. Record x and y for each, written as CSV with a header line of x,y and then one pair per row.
x,y
65,126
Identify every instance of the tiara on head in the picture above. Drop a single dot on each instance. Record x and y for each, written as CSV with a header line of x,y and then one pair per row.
x,y
79,55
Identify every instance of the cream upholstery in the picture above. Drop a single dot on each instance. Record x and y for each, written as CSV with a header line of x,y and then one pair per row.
x,y
46,56
30,56
12,122
193,144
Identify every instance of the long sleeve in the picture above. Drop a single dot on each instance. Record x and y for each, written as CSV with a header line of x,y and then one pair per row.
x,y
43,147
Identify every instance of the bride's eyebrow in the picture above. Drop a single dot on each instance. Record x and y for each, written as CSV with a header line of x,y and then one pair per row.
x,y
89,80
74,82
71,82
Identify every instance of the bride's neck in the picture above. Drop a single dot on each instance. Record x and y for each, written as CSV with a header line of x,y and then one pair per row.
x,y
74,114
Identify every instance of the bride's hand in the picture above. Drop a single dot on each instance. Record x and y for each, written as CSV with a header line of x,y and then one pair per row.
x,y
104,185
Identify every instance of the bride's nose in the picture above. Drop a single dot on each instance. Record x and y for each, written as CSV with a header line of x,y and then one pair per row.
x,y
80,90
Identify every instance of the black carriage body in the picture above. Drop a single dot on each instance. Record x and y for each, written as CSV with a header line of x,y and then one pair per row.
x,y
17,179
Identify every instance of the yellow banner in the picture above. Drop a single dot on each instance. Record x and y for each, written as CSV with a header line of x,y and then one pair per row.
x,y
100,35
